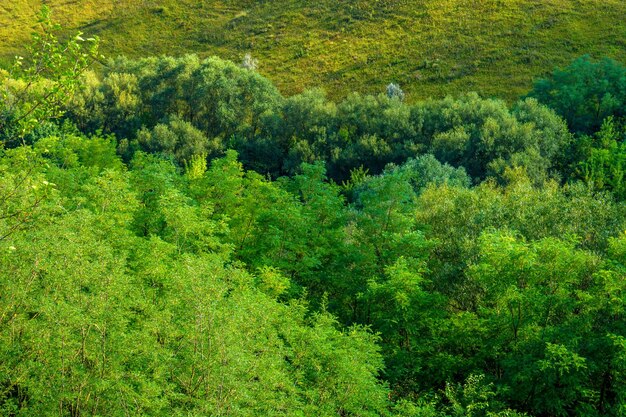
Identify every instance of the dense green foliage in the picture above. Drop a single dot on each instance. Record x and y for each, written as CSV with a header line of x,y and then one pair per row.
x,y
100,320
177,238
585,93
186,106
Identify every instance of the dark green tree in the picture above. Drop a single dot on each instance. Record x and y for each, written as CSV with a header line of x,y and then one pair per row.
x,y
585,93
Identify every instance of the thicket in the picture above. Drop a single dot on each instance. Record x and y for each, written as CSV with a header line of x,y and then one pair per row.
x,y
177,238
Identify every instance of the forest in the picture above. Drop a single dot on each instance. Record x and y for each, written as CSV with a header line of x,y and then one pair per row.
x,y
180,238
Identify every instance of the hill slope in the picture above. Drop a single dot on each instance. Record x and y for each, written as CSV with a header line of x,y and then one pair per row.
x,y
429,47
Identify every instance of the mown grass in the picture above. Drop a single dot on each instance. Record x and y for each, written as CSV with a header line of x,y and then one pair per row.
x,y
430,47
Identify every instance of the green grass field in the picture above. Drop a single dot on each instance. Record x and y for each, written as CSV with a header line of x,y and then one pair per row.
x,y
430,47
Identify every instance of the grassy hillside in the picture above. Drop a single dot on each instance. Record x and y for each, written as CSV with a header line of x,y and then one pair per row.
x,y
429,47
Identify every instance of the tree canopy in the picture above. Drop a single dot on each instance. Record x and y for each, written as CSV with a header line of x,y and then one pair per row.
x,y
179,239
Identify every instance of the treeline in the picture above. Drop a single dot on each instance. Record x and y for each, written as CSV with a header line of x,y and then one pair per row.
x,y
186,106
177,238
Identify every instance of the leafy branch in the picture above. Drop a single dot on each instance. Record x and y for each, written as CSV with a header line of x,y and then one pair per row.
x,y
35,90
